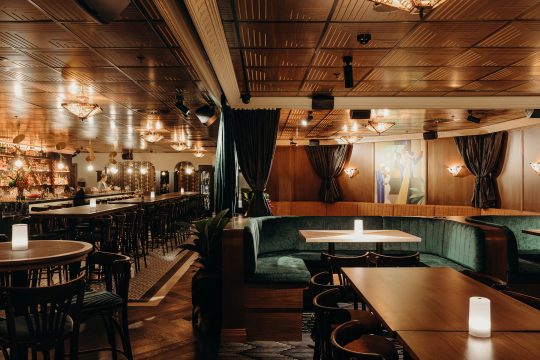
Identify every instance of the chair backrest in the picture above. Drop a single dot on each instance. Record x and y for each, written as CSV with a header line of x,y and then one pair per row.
x,y
321,282
379,260
348,332
486,279
326,307
527,299
45,311
335,263
115,270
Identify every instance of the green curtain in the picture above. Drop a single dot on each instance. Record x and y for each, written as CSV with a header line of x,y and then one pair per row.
x,y
329,162
226,172
255,134
481,154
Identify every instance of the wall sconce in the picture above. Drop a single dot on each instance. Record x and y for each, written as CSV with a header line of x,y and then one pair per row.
x,y
454,170
480,317
351,172
535,166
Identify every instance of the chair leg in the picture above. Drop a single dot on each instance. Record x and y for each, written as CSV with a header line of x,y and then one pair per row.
x,y
126,340
110,335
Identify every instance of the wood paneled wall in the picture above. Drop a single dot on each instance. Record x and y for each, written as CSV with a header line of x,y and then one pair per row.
x,y
293,179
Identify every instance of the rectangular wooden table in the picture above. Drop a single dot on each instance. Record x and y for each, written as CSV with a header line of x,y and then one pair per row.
x,y
435,345
535,232
348,236
434,299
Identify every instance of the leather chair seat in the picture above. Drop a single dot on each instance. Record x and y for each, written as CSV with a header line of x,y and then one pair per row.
x,y
21,328
95,301
373,344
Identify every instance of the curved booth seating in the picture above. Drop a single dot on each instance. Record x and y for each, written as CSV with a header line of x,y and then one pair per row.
x,y
275,252
523,250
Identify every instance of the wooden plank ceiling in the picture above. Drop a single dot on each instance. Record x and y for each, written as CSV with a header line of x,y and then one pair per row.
x,y
50,50
462,48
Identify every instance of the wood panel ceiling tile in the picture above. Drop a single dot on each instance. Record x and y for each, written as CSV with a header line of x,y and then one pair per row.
x,y
294,10
170,86
122,35
17,10
383,35
280,35
332,87
334,58
516,73
532,14
439,85
491,85
131,57
422,93
420,57
335,73
528,87
273,58
491,57
461,73
93,74
264,86
67,58
373,93
452,34
472,93
398,73
33,74
37,35
482,10
276,73
516,34
157,73
380,86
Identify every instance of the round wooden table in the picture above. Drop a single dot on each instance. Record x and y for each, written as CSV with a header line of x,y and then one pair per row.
x,y
42,254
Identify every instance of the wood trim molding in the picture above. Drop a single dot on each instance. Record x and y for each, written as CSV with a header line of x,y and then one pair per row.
x,y
207,20
179,24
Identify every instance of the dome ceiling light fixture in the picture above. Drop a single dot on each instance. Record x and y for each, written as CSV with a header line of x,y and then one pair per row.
x,y
199,152
420,7
379,127
153,132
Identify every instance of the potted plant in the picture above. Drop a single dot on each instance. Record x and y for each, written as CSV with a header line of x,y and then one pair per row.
x,y
206,283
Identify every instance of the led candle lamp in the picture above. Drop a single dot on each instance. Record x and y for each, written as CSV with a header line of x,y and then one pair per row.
x,y
93,203
19,237
182,191
480,317
358,227
152,194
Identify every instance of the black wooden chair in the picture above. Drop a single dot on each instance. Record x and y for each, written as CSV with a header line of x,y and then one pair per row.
x,y
486,279
335,263
353,340
329,315
526,299
41,319
111,304
380,260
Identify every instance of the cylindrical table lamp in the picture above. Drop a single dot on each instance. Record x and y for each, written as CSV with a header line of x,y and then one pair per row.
x,y
19,237
480,317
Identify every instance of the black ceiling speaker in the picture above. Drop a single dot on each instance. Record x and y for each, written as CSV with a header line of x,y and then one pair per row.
x,y
533,113
314,142
472,118
322,102
348,71
360,114
207,114
104,11
431,135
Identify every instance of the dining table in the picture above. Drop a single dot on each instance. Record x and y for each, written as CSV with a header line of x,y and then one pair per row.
x,y
83,212
434,299
378,237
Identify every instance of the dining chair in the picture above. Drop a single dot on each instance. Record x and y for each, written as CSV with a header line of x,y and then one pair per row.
x,y
334,263
41,319
486,279
328,315
380,260
353,340
109,304
524,298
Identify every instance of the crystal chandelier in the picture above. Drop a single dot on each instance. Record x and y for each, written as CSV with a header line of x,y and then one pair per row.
x,y
82,108
412,6
379,127
152,132
181,142
199,152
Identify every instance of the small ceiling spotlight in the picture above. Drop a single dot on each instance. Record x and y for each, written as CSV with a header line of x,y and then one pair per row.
x,y
307,120
472,118
207,114
246,98
348,71
180,104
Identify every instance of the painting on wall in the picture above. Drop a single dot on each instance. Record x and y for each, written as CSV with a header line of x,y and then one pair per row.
x,y
400,172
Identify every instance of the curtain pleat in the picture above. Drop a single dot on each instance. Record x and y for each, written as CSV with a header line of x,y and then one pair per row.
x,y
226,165
255,134
329,162
481,154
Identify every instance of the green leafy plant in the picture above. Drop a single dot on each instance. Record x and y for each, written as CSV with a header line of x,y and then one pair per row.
x,y
208,240
418,194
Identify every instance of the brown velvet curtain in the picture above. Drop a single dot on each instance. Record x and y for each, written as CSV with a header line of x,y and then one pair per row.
x,y
481,154
328,162
255,134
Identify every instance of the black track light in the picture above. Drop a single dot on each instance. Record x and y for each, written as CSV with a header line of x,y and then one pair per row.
x,y
180,105
472,118
348,71
207,114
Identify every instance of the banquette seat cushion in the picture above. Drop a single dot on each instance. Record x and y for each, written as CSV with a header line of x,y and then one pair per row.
x,y
275,251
